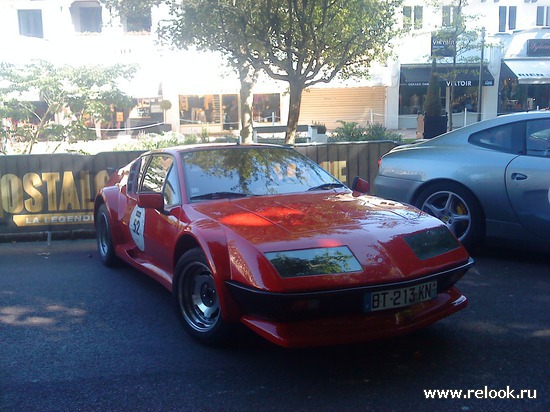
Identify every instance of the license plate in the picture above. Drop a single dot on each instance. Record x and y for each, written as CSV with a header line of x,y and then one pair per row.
x,y
397,298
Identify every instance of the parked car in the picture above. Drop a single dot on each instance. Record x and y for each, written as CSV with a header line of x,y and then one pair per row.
x,y
489,179
264,236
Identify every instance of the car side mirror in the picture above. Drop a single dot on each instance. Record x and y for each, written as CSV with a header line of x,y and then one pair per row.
x,y
150,200
360,185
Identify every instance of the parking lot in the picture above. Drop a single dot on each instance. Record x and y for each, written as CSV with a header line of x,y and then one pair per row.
x,y
77,336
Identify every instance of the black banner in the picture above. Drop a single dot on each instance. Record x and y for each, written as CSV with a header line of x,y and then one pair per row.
x,y
53,192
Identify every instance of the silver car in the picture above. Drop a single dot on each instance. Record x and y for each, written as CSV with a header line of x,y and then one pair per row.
x,y
487,180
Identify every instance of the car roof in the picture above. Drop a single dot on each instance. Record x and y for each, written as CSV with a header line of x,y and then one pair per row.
x,y
214,146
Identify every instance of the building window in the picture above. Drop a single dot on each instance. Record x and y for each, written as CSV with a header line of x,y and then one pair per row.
x,y
90,19
502,19
86,16
418,17
30,23
512,18
138,22
412,17
504,11
543,16
407,17
449,14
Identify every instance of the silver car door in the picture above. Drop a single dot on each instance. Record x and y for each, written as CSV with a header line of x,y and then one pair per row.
x,y
528,180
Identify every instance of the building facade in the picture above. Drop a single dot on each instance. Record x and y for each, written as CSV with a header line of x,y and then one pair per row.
x,y
203,92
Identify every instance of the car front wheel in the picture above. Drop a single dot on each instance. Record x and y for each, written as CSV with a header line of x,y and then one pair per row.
x,y
197,299
457,208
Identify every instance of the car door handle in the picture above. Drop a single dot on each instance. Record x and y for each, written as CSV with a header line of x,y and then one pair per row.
x,y
518,176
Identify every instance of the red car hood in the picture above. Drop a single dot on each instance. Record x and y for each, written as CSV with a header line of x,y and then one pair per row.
x,y
269,219
371,227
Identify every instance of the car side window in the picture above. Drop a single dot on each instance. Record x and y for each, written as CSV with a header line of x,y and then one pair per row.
x,y
507,138
161,176
538,138
131,186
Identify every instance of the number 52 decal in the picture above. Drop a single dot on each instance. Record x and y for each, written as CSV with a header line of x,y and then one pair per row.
x,y
137,226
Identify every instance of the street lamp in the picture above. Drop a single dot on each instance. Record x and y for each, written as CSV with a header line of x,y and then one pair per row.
x,y
480,86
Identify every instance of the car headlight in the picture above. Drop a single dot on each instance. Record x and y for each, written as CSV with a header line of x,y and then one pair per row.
x,y
319,261
432,242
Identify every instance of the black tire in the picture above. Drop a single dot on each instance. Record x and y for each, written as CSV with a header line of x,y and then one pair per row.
x,y
104,237
458,208
197,300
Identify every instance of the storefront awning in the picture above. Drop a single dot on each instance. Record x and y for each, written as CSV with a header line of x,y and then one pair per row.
x,y
466,75
536,71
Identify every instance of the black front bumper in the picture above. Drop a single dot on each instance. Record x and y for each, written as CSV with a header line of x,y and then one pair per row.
x,y
316,304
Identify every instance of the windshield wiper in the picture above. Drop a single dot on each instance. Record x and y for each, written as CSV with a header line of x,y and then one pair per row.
x,y
219,195
326,186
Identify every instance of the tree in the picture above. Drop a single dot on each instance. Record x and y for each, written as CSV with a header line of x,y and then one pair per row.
x,y
464,38
83,93
301,42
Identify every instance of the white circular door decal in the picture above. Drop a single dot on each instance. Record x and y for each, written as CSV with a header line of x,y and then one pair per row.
x,y
137,224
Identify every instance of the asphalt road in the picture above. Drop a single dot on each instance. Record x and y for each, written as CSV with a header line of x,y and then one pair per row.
x,y
76,336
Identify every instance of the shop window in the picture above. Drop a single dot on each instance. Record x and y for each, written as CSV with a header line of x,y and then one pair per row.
x,y
195,109
411,99
138,22
465,98
30,23
230,111
267,108
147,108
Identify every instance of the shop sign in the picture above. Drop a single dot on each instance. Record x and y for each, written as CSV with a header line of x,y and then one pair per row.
x,y
538,47
443,46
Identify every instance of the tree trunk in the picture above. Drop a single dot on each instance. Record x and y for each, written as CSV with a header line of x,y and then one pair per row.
x,y
296,90
247,76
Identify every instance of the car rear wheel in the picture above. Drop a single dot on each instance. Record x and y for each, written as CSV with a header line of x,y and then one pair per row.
x,y
197,299
104,238
457,208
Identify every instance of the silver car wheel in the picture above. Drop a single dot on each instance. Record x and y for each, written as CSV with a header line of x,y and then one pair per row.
x,y
197,298
452,210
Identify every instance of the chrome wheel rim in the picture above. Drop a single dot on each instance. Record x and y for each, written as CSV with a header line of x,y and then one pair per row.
x,y
197,297
452,210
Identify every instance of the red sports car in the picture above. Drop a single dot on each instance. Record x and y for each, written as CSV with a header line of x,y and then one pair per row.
x,y
264,236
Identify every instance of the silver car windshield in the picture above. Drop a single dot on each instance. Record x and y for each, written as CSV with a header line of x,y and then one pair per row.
x,y
254,171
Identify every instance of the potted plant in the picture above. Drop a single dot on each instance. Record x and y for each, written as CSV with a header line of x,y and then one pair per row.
x,y
435,120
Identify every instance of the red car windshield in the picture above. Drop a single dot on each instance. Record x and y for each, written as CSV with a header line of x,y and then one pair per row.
x,y
251,171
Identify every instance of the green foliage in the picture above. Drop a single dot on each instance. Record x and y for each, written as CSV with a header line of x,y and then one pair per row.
x,y
302,43
151,141
354,132
64,97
